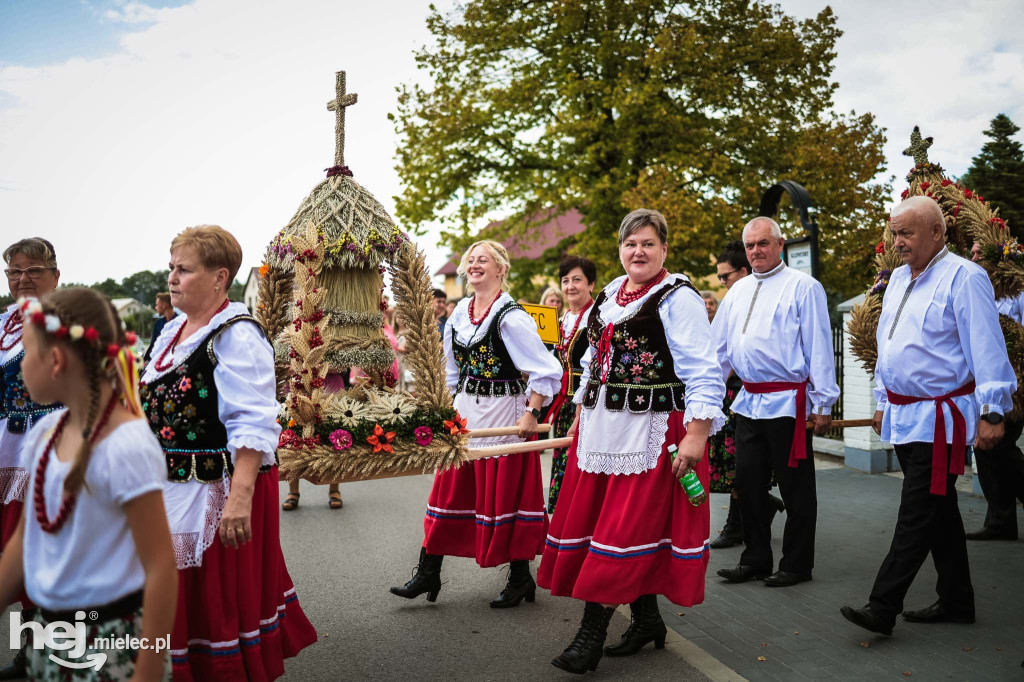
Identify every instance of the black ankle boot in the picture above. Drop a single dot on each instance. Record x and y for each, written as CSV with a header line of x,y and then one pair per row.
x,y
645,626
585,650
732,533
520,586
427,578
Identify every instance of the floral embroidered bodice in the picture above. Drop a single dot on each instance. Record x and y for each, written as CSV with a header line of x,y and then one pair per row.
x,y
485,366
15,403
632,359
182,409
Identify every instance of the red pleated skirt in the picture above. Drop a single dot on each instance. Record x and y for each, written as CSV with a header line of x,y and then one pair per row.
x,y
238,616
491,510
614,538
10,515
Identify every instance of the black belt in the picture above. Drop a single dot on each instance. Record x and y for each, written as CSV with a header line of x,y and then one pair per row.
x,y
124,606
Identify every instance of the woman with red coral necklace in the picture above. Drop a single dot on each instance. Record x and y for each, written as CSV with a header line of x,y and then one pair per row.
x,y
95,538
31,272
624,530
209,395
492,509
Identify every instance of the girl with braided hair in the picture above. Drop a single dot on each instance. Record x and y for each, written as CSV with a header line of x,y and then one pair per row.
x,y
94,538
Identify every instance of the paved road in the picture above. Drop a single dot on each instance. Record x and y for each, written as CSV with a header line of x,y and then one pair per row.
x,y
343,562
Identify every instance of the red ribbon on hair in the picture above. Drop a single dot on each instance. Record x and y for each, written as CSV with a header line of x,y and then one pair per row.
x,y
958,447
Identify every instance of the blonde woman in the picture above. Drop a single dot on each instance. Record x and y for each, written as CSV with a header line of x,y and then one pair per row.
x,y
553,297
492,509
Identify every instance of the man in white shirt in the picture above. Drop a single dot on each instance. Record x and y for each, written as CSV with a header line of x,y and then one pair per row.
x,y
773,330
1001,468
941,362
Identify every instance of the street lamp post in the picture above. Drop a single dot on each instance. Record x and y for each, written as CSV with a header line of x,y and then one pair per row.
x,y
800,253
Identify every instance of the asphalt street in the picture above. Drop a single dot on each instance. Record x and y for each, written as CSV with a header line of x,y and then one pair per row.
x,y
343,562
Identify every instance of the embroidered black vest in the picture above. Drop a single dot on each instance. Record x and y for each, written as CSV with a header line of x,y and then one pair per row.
x,y
641,377
485,367
15,403
181,407
577,349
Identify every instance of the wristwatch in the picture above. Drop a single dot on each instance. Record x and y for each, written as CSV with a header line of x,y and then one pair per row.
x,y
993,418
534,411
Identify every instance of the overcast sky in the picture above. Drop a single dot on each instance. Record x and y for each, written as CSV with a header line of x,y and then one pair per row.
x,y
123,122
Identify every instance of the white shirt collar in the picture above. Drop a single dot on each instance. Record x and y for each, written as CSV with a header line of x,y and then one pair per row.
x,y
771,273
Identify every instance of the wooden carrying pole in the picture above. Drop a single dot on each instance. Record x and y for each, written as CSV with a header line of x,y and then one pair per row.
x,y
844,423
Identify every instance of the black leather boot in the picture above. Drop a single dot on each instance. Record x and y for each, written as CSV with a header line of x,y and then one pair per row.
x,y
426,578
645,626
732,533
585,650
520,586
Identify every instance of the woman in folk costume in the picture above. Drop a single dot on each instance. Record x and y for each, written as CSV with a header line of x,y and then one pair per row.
x,y
491,509
577,276
31,272
209,396
624,530
95,539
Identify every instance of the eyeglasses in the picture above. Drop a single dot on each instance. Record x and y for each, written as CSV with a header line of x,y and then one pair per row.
x,y
724,277
14,274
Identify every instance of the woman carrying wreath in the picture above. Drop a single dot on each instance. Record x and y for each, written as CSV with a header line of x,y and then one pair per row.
x,y
577,276
31,269
209,396
490,509
624,530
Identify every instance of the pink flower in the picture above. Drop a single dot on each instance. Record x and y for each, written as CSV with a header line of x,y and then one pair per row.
x,y
631,344
167,433
424,435
341,439
287,436
716,476
646,358
730,394
185,384
728,441
730,449
636,370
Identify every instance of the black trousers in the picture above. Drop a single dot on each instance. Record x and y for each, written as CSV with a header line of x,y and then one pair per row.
x,y
1001,474
760,445
926,523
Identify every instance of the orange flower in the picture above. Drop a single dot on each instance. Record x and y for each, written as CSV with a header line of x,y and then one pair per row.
x,y
380,440
264,269
291,423
457,425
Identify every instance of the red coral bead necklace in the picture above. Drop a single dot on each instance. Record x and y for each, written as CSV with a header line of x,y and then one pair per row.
x,y
473,318
13,325
67,504
624,298
563,348
159,365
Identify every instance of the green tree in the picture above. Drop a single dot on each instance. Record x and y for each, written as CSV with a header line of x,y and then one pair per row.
x,y
144,285
997,173
110,288
693,108
237,291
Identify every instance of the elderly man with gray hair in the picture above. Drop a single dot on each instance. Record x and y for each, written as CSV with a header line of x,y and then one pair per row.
x,y
941,362
773,331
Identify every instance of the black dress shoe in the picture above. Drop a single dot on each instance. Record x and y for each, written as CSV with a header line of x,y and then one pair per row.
x,y
786,578
727,539
867,619
936,613
741,573
15,670
987,533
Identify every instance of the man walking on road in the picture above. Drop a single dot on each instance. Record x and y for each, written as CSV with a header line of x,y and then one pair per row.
x,y
941,361
773,330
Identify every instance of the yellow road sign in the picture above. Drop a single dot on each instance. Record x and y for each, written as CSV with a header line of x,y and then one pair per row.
x,y
546,318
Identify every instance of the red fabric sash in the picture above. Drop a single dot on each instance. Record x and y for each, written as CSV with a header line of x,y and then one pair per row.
x,y
798,450
560,399
959,445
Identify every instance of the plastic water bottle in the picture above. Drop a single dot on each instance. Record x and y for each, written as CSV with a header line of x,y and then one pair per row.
x,y
690,482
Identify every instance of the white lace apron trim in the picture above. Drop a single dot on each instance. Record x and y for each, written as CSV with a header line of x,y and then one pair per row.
x,y
619,443
194,510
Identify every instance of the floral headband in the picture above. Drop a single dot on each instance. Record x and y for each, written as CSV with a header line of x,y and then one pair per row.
x,y
32,310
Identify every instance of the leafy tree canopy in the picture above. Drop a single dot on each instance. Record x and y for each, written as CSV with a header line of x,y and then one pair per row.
x,y
692,108
997,173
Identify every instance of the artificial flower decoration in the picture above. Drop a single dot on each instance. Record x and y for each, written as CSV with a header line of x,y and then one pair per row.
x,y
287,437
457,425
381,440
342,439
424,435
131,338
91,335
264,269
185,384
